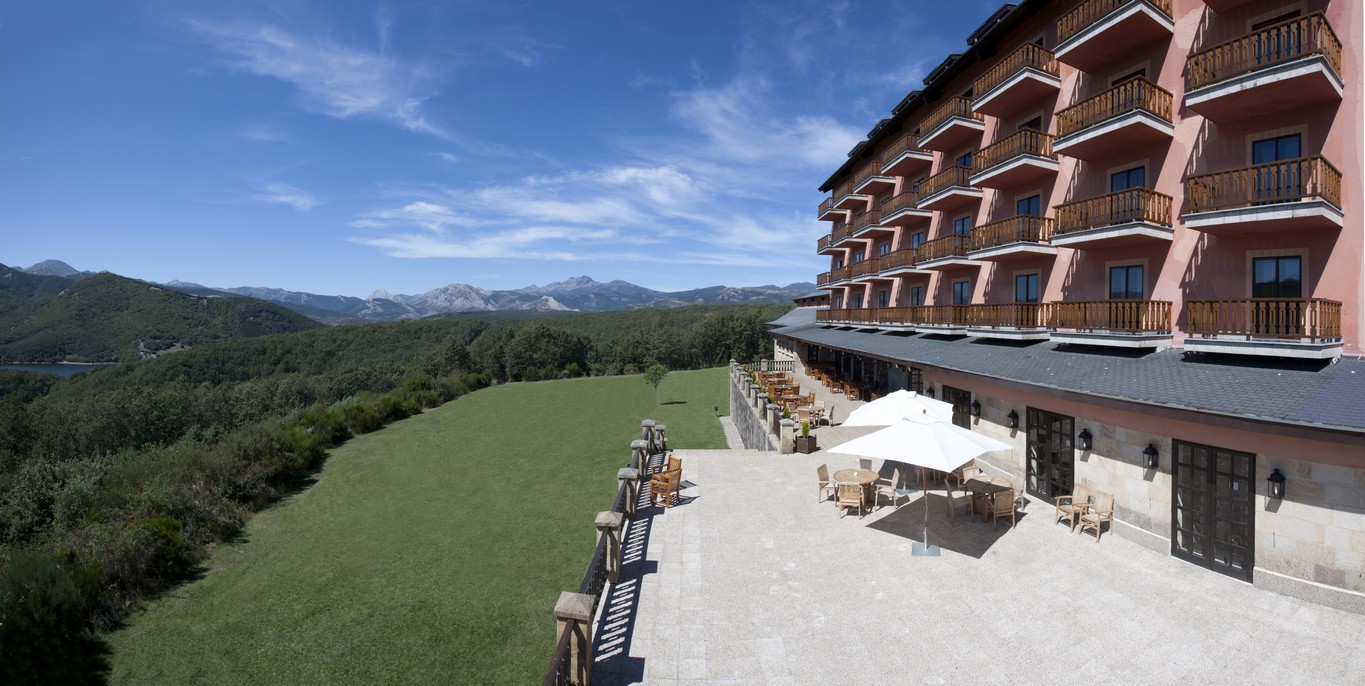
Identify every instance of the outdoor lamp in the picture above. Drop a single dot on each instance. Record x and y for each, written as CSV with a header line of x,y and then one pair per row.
x,y
1275,483
1151,454
976,408
1083,439
1014,419
929,391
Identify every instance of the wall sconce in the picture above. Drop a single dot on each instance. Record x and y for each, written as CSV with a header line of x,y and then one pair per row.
x,y
1014,419
976,408
929,391
1083,439
1151,454
1275,484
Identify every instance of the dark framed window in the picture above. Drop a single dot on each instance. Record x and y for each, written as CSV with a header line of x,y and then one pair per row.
x,y
1277,182
838,263
884,249
1034,124
1129,76
1277,277
838,302
916,296
965,160
1125,283
883,298
1026,288
916,379
1213,513
1276,149
962,226
1050,465
857,301
962,405
1128,178
1031,206
962,292
916,239
857,257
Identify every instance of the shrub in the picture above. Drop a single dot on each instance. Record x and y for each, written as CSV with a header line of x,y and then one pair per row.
x,y
361,418
45,637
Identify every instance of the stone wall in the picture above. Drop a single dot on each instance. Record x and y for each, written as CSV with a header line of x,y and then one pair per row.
x,y
753,430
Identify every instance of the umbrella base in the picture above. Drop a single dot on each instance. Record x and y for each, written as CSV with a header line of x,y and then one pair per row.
x,y
924,549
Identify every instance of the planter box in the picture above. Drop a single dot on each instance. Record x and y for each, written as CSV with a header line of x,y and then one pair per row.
x,y
805,444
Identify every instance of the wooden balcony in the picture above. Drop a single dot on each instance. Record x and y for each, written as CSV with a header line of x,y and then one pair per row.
x,y
902,210
951,125
948,189
831,315
941,319
1013,238
1097,32
1012,321
1121,218
869,222
871,181
1112,323
1288,195
877,316
839,275
1022,77
1287,65
905,158
1018,158
861,269
1131,115
822,244
1276,327
822,279
899,262
944,253
840,233
846,199
826,212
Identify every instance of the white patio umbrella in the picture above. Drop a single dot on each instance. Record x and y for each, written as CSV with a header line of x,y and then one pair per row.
x,y
893,407
923,441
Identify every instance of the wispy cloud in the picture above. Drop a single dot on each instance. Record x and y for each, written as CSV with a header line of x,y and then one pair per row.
x,y
283,194
333,78
263,134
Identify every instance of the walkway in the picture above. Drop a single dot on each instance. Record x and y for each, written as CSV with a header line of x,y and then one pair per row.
x,y
753,581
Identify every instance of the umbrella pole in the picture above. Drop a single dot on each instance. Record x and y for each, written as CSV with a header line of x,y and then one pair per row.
x,y
924,549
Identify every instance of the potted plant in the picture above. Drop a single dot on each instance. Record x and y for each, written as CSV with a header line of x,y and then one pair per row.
x,y
805,443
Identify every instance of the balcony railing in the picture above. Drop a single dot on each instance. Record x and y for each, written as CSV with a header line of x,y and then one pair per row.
x,y
824,207
866,219
948,246
823,242
1132,205
1025,142
1304,178
1118,316
831,315
1029,55
839,233
845,188
905,257
840,274
901,201
869,170
1290,40
908,142
1021,229
942,315
822,279
956,106
1135,94
1313,319
955,175
1010,315
1090,13
863,268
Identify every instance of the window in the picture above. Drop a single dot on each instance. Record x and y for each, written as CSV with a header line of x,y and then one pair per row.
x,y
1278,43
1128,178
883,298
857,301
1276,182
1129,76
1034,124
962,225
884,249
964,161
917,239
1026,288
1275,149
918,182
1277,277
916,296
1031,206
1125,283
838,302
838,263
962,293
857,257
916,379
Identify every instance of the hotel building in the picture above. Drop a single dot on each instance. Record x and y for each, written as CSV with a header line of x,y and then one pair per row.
x,y
1125,236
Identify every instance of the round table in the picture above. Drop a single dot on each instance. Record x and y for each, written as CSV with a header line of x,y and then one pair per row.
x,y
982,486
862,477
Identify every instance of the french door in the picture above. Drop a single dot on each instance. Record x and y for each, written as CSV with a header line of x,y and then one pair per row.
x,y
1212,513
1051,461
962,405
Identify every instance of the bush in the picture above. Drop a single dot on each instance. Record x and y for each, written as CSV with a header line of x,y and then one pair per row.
x,y
45,637
361,418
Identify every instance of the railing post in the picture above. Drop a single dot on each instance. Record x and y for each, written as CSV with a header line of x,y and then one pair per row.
x,y
774,415
639,454
609,524
647,431
573,614
787,442
660,441
630,479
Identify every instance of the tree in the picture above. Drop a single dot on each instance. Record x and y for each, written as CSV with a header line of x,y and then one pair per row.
x,y
655,376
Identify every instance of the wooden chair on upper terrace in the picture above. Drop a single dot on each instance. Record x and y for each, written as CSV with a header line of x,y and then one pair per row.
x,y
1070,507
825,483
669,485
1100,512
889,487
849,495
1002,505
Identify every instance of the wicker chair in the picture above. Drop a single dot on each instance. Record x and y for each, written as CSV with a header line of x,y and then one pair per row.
x,y
1101,511
1070,507
668,485
825,483
1002,505
889,487
849,495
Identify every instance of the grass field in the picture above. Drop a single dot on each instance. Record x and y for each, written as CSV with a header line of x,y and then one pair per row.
x,y
431,551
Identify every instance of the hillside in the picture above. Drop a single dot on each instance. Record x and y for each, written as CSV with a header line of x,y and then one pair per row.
x,y
107,317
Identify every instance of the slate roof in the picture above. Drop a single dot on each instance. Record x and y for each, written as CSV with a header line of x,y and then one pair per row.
x,y
1313,394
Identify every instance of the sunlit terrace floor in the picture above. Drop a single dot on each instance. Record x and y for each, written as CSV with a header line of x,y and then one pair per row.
x,y
750,580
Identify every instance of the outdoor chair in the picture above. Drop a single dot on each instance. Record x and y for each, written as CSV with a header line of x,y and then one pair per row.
x,y
1101,511
667,465
889,487
1002,505
668,485
953,501
802,415
963,474
825,483
818,411
849,495
1070,507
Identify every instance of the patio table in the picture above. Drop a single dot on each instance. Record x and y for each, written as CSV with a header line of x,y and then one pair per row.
x,y
862,477
983,485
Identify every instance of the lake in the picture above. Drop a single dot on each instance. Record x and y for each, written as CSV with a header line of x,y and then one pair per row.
x,y
60,369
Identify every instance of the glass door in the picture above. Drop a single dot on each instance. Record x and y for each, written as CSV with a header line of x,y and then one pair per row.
x,y
962,405
1051,461
1212,513
1279,280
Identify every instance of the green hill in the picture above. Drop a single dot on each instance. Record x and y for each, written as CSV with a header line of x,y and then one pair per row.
x,y
107,317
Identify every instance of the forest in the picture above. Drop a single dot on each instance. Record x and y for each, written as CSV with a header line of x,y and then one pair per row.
x,y
115,483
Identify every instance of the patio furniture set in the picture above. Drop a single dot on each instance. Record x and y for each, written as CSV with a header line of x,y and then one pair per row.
x,y
862,489
1085,510
787,393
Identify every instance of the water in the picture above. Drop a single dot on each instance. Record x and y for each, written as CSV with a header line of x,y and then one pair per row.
x,y
60,369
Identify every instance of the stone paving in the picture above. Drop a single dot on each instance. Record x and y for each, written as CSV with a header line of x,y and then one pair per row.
x,y
750,580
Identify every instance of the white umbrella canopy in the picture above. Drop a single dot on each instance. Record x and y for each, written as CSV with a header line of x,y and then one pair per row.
x,y
893,407
933,444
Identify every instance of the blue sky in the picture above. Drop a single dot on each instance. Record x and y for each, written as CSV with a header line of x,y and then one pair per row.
x,y
342,147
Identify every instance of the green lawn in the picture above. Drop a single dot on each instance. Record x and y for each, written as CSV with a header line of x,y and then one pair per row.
x,y
431,551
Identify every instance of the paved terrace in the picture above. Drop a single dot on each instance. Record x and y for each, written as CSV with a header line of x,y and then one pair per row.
x,y
751,580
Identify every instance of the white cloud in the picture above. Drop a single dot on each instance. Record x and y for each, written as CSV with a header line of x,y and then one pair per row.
x,y
284,194
337,80
263,134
